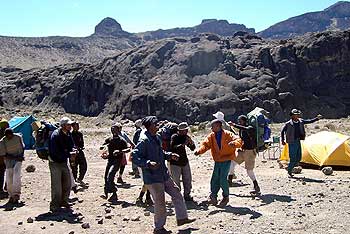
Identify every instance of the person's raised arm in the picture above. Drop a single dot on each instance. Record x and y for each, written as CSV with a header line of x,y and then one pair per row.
x,y
204,147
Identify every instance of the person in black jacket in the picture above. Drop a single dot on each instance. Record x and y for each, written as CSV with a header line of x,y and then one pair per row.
x,y
181,167
80,160
247,153
293,132
117,146
61,148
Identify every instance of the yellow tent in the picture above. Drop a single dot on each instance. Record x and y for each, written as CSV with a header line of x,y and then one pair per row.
x,y
324,149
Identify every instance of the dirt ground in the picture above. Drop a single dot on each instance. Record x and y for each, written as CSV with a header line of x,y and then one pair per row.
x,y
310,203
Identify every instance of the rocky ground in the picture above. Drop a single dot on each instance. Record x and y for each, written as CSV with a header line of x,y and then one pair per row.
x,y
311,203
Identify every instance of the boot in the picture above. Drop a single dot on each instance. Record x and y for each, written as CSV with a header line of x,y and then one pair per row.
x,y
181,222
224,201
149,200
256,187
229,180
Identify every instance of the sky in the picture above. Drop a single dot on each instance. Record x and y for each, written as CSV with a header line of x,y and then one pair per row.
x,y
79,17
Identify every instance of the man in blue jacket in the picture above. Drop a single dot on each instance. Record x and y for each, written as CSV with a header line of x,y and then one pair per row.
x,y
61,148
150,156
292,133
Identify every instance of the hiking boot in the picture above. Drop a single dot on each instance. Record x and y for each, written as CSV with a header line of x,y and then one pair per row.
x,y
81,182
139,201
229,180
66,205
75,189
149,202
256,187
54,209
181,222
120,180
113,198
212,200
131,173
224,201
188,198
161,231
3,194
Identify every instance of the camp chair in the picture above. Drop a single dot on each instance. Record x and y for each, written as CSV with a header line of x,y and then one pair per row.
x,y
273,150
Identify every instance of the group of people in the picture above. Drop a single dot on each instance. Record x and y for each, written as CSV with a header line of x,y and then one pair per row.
x,y
149,155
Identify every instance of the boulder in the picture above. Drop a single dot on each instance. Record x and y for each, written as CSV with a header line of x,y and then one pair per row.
x,y
327,171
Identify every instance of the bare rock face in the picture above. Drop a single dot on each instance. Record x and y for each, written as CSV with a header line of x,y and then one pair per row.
x,y
335,17
189,79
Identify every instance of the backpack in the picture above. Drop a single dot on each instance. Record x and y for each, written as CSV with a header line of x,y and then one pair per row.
x,y
42,138
257,118
166,133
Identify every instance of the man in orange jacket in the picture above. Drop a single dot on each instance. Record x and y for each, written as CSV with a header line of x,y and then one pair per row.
x,y
223,145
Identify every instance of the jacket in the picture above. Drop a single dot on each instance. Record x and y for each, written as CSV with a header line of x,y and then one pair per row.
x,y
60,146
226,152
177,146
115,143
288,130
248,136
12,148
149,148
78,139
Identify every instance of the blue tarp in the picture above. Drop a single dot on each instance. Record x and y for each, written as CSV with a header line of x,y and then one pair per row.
x,y
23,125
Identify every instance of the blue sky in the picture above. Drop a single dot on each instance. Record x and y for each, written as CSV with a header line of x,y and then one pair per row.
x,y
79,17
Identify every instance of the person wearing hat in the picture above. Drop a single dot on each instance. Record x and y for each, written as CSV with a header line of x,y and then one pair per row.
x,y
4,124
292,133
149,155
80,160
135,139
247,153
13,150
181,167
223,145
117,146
61,148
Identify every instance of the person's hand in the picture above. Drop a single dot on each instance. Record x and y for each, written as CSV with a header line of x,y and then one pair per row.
x,y
175,157
283,143
153,165
319,116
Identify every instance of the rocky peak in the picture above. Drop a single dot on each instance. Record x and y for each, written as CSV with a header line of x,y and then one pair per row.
x,y
109,27
339,9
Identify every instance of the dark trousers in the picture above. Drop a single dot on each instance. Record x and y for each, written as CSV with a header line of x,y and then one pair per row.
x,y
60,184
112,168
2,173
81,164
295,154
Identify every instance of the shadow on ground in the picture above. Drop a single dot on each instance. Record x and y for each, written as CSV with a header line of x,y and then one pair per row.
x,y
65,214
238,211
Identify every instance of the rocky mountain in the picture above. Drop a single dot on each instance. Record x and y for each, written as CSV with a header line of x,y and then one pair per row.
x,y
335,17
31,52
108,39
189,79
220,27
